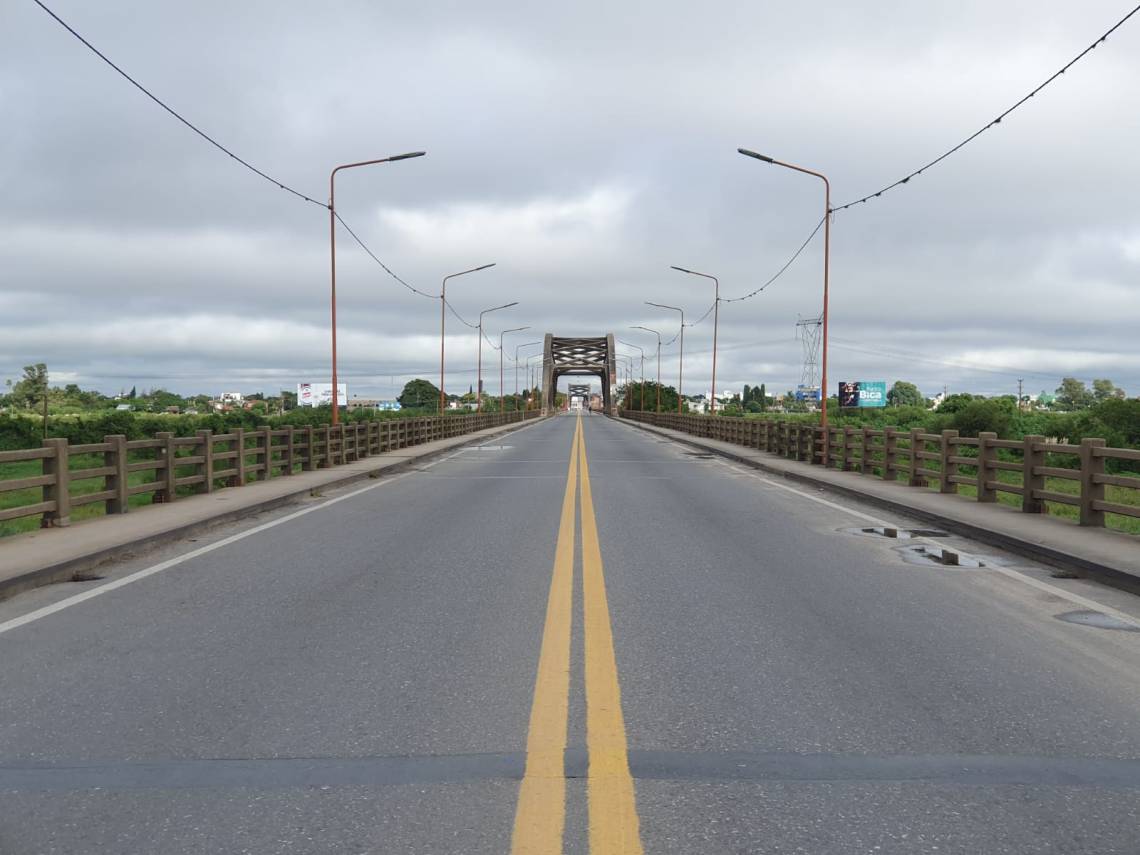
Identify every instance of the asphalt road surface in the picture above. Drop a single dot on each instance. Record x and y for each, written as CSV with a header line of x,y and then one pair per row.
x,y
580,637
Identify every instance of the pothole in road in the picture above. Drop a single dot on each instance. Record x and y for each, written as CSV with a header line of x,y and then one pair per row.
x,y
1097,620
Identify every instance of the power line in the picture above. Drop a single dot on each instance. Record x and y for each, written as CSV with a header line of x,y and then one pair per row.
x,y
386,268
222,148
175,113
779,272
1000,370
996,121
462,320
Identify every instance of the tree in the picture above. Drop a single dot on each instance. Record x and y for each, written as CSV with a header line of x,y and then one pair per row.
x,y
1104,389
419,394
1072,394
32,387
904,394
956,402
762,397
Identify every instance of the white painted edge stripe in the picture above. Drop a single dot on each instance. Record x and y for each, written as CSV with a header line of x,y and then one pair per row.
x,y
75,600
1009,573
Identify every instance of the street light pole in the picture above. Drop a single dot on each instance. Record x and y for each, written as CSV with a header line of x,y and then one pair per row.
x,y
442,324
517,348
502,397
716,325
528,368
479,369
647,329
641,389
681,356
332,258
826,264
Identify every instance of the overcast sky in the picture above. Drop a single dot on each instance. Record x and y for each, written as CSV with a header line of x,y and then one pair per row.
x,y
584,147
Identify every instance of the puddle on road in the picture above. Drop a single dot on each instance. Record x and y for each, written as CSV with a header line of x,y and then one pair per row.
x,y
927,555
896,533
1097,620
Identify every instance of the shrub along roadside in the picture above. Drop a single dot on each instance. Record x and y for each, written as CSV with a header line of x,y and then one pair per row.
x,y
22,431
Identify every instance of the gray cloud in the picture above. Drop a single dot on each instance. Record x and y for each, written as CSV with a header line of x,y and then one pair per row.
x,y
584,148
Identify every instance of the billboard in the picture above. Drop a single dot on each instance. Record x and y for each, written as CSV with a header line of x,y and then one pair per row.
x,y
863,393
320,394
807,393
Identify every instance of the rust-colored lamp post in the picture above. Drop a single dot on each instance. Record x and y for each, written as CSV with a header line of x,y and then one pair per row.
x,y
716,324
479,368
332,256
681,355
517,349
502,396
641,389
647,329
443,323
826,259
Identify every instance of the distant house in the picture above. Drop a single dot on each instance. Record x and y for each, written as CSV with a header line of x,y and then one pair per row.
x,y
124,408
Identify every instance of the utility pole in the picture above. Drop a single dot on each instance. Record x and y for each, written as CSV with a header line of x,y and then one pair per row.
x,y
1020,380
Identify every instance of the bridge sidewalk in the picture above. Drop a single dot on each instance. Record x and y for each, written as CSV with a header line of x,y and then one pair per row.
x,y
57,554
1111,557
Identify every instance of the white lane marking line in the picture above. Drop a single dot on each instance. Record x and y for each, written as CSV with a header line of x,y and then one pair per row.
x,y
68,602
1009,573
37,614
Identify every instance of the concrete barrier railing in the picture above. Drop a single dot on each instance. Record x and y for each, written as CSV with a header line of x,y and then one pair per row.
x,y
1038,471
115,470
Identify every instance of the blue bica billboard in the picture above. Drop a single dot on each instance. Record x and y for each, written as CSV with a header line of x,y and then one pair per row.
x,y
863,393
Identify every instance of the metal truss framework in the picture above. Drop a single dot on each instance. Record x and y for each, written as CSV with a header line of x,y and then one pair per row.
x,y
594,357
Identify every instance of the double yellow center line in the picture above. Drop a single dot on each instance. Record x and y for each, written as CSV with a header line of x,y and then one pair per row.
x,y
541,813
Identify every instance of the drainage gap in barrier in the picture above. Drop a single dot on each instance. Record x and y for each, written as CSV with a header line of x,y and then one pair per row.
x,y
82,576
927,555
1097,620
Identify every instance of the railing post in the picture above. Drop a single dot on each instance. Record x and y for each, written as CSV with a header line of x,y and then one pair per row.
x,y
119,482
847,464
946,449
169,471
890,454
290,449
1091,492
1032,456
865,467
325,460
987,472
205,450
238,444
917,444
59,490
265,445
309,463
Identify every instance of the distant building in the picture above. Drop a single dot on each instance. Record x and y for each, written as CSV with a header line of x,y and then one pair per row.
x,y
231,398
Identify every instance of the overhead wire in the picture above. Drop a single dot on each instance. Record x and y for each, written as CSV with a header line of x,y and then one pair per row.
x,y
994,122
280,184
779,272
374,257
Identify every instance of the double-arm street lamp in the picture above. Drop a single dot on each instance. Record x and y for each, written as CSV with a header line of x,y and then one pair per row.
x,y
716,324
647,329
479,369
681,355
519,347
502,397
826,256
443,323
332,257
641,388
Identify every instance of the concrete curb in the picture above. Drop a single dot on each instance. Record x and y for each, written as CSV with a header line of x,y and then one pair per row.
x,y
1105,573
66,570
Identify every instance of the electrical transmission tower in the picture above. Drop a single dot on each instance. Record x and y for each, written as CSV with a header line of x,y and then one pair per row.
x,y
809,331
